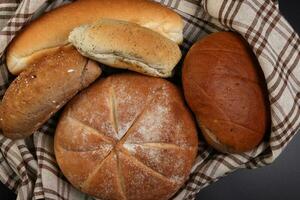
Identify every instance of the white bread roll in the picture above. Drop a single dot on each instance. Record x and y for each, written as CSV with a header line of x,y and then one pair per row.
x,y
127,45
42,89
52,29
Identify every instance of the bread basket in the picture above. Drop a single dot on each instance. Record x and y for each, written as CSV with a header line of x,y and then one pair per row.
x,y
28,166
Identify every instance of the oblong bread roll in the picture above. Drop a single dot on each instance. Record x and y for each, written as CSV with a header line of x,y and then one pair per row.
x,y
52,29
42,89
127,45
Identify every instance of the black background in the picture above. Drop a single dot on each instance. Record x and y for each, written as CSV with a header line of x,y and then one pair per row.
x,y
279,181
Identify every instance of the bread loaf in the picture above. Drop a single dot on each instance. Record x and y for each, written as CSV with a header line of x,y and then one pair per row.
x,y
225,88
51,30
42,89
127,45
127,136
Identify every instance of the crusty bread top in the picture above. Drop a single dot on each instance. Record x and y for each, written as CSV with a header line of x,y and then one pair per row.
x,y
109,40
127,137
52,29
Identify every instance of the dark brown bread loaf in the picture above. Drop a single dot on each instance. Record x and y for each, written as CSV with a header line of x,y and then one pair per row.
x,y
128,136
224,86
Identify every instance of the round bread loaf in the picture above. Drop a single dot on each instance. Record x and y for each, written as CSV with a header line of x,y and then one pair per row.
x,y
127,136
224,86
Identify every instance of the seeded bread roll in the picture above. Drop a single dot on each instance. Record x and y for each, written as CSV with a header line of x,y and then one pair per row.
x,y
51,30
42,89
128,136
127,45
225,88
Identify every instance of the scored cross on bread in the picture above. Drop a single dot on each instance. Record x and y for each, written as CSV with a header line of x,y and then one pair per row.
x,y
127,137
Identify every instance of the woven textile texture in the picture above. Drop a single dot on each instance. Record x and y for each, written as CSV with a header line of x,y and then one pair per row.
x,y
28,166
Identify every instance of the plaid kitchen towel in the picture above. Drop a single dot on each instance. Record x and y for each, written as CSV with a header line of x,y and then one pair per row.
x,y
28,166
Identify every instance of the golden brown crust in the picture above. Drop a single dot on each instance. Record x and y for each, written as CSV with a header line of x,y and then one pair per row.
x,y
152,132
224,86
104,182
42,89
52,29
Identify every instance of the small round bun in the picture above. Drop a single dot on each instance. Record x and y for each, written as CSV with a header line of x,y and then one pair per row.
x,y
127,136
224,86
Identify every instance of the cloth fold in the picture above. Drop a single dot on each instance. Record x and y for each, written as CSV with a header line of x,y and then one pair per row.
x,y
28,166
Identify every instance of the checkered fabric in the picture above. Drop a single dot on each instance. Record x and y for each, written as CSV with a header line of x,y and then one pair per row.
x,y
28,166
